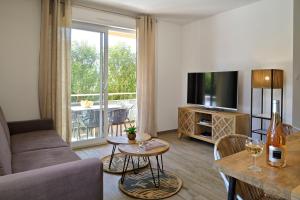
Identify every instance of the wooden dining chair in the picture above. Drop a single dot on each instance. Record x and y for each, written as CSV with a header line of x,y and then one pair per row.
x,y
288,129
231,144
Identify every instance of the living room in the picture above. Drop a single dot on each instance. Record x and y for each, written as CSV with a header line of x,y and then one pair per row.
x,y
145,61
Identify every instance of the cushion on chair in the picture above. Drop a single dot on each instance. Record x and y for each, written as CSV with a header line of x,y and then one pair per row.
x,y
5,154
3,122
36,140
42,158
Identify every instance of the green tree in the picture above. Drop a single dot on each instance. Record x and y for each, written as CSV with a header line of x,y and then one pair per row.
x,y
121,70
86,70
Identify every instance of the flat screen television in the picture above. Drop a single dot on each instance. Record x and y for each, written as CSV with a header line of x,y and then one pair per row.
x,y
213,89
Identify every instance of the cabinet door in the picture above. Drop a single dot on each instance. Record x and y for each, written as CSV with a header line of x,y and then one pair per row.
x,y
186,122
223,125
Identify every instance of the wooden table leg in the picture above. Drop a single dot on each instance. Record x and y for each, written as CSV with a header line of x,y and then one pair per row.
x,y
231,189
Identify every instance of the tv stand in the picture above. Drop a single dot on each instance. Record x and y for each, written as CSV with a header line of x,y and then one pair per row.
x,y
209,125
215,109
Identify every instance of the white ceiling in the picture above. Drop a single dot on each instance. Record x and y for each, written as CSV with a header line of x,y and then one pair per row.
x,y
179,11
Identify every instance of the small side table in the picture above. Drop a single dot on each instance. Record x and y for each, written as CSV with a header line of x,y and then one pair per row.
x,y
117,140
134,150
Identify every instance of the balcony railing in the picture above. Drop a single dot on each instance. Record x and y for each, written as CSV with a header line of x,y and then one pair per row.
x,y
111,96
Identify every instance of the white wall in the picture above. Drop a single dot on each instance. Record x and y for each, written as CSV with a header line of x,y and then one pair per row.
x,y
254,36
168,74
296,93
19,58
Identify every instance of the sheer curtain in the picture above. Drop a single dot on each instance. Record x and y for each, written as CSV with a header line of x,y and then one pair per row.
x,y
55,65
146,122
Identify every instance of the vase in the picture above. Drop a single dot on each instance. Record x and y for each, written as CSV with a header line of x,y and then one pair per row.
x,y
131,136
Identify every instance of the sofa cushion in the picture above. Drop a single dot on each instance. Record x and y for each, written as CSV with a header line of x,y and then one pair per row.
x,y
36,140
5,154
42,158
3,122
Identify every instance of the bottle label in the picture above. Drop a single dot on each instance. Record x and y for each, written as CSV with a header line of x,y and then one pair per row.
x,y
275,154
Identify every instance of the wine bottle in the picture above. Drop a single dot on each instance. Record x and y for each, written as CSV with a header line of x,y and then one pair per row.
x,y
276,141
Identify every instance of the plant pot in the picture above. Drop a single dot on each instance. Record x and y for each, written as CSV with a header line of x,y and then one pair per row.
x,y
131,136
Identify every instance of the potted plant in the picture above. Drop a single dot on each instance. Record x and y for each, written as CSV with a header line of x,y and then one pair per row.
x,y
131,132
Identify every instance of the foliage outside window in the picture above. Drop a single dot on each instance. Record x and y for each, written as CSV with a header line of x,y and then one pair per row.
x,y
86,71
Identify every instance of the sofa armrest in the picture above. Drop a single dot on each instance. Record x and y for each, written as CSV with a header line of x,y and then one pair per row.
x,y
82,179
30,125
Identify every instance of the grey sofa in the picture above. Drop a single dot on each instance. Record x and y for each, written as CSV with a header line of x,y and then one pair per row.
x,y
36,164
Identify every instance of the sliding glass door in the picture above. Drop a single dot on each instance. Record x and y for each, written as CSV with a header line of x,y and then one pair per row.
x,y
89,98
122,107
103,82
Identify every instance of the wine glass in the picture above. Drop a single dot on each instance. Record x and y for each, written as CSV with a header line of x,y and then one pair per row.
x,y
141,144
255,148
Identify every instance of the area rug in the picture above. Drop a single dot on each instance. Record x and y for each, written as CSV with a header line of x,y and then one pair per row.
x,y
118,162
141,185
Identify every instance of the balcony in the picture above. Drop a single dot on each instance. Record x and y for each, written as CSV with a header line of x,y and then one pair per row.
x,y
86,119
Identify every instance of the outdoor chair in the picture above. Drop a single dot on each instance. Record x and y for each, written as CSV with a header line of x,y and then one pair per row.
x,y
118,118
75,125
91,121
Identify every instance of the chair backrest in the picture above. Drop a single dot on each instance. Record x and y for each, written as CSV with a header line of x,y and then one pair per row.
x,y
288,129
74,117
90,117
117,116
226,146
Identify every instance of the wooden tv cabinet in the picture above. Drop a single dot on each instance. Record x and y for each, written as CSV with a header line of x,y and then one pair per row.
x,y
209,125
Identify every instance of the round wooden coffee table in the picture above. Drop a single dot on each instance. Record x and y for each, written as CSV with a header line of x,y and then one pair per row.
x,y
117,140
134,150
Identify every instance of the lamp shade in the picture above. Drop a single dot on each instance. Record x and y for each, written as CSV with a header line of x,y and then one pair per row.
x,y
262,78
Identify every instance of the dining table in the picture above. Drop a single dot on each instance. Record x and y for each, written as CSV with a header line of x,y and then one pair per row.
x,y
280,182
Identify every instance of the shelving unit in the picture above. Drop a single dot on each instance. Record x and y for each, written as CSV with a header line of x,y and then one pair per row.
x,y
205,124
209,125
263,80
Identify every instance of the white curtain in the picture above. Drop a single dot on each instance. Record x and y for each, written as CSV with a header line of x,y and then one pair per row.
x,y
55,65
146,122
